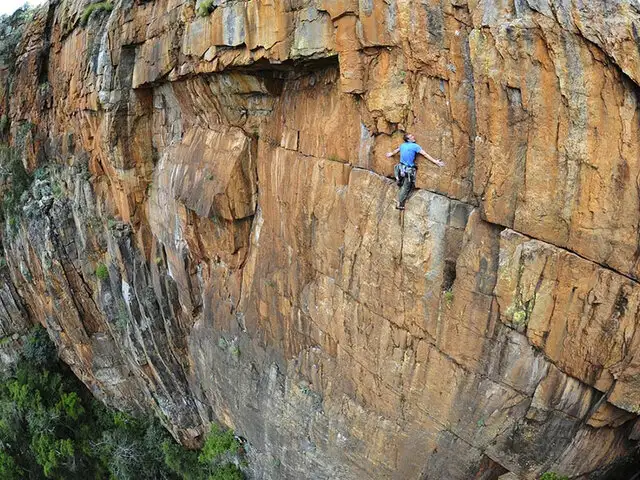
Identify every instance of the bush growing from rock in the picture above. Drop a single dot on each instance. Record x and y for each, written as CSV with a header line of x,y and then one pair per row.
x,y
102,272
205,8
553,476
95,7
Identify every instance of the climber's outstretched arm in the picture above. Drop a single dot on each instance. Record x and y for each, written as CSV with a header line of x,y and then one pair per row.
x,y
391,154
440,163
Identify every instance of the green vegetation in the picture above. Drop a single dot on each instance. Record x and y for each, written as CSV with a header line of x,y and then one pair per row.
x,y
56,189
212,463
553,476
51,427
448,297
11,31
44,88
218,443
304,388
235,351
95,7
205,8
4,123
15,178
40,173
102,272
520,317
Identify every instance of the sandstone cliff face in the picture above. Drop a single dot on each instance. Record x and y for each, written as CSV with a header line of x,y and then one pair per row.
x,y
229,172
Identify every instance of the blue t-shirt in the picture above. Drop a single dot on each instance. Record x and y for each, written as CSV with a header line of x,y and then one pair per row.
x,y
408,152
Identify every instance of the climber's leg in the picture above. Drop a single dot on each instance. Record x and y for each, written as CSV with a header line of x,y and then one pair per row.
x,y
405,190
397,174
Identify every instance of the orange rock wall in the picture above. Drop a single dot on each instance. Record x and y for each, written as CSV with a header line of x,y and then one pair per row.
x,y
229,171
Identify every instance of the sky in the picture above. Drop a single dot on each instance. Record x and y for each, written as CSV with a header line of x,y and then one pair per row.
x,y
10,6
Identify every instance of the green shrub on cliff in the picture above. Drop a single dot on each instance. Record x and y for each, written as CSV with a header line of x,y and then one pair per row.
x,y
205,8
51,427
38,349
95,7
102,272
15,179
553,476
218,443
213,462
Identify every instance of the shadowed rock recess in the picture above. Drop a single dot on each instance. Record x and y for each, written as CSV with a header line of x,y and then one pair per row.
x,y
228,170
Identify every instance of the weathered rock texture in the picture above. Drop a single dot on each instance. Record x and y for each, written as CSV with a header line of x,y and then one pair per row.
x,y
229,171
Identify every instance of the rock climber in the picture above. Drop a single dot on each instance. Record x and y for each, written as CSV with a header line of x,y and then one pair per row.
x,y
405,171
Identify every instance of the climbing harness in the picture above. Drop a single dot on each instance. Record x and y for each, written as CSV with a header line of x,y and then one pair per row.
x,y
401,170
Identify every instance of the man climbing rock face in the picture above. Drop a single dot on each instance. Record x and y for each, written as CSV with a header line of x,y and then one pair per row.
x,y
405,171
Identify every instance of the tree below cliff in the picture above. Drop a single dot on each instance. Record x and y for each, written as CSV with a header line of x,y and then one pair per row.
x,y
51,427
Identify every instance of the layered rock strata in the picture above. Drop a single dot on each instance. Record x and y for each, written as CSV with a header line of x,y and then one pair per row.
x,y
229,173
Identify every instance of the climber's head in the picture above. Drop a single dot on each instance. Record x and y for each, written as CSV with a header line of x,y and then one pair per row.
x,y
408,137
